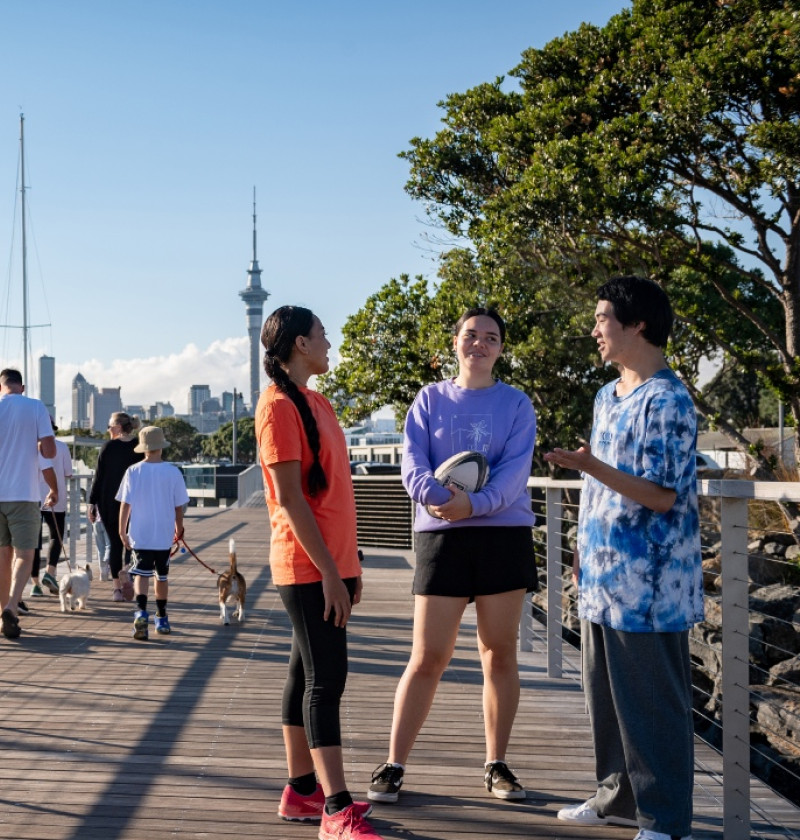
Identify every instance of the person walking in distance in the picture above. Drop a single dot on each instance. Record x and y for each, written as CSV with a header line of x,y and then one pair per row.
x,y
315,566
152,498
115,457
25,433
640,586
54,518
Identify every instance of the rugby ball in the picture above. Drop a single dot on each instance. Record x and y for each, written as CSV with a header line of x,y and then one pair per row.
x,y
468,471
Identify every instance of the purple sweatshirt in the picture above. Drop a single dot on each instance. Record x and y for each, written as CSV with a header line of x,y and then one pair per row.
x,y
499,422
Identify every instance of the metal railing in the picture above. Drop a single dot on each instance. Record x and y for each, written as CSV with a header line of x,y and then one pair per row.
x,y
558,503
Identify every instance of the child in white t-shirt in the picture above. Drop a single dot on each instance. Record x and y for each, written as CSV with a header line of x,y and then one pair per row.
x,y
152,496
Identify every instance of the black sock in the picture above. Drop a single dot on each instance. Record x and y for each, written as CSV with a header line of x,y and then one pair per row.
x,y
161,606
304,785
338,802
141,602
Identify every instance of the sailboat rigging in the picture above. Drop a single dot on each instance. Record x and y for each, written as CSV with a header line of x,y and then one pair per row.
x,y
26,325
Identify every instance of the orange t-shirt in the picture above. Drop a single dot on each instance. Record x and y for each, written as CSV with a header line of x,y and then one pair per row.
x,y
281,437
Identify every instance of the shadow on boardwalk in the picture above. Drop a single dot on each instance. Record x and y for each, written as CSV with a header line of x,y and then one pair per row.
x,y
106,738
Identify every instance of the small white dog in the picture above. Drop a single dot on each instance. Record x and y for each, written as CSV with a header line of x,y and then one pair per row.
x,y
73,588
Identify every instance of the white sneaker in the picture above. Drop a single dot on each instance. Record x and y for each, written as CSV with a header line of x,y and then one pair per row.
x,y
647,834
586,815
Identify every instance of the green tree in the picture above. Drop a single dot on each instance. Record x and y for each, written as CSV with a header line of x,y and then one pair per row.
x,y
402,340
184,439
389,350
220,444
666,142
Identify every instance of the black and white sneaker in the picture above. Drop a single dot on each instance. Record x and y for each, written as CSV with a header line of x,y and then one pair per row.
x,y
386,783
501,781
22,608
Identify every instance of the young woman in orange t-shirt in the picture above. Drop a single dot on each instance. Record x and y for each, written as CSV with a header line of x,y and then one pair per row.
x,y
315,566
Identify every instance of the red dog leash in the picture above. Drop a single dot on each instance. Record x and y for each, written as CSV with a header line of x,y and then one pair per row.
x,y
180,544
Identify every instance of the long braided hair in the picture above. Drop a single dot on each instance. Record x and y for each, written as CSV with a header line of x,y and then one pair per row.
x,y
278,336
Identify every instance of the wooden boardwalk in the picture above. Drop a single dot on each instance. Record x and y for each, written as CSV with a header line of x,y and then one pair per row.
x,y
106,738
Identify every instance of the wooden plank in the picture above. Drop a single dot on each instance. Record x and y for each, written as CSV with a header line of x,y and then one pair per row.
x,y
180,737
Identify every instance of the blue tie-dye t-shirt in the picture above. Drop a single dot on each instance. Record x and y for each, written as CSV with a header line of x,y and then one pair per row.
x,y
640,571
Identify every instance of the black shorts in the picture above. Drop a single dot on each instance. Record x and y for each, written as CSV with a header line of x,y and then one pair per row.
x,y
150,562
467,562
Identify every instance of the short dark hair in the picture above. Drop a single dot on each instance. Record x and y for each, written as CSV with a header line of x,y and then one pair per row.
x,y
636,299
489,312
11,375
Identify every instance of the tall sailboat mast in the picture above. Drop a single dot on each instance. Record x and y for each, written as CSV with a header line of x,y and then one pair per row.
x,y
25,326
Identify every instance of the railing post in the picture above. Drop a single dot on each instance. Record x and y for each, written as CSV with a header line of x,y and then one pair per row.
x,y
526,619
72,519
735,671
553,505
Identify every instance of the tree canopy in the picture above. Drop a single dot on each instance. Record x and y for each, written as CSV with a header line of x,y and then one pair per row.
x,y
666,143
184,439
220,443
403,339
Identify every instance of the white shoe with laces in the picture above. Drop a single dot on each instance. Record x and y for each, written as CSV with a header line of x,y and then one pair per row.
x,y
586,815
647,834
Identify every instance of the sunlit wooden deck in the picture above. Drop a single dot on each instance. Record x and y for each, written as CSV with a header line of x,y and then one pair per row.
x,y
179,737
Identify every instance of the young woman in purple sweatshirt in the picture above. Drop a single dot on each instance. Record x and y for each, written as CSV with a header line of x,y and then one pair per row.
x,y
469,547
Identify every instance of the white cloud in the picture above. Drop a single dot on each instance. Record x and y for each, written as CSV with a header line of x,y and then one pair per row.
x,y
223,366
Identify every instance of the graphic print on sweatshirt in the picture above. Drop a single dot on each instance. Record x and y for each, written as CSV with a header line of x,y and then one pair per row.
x,y
471,431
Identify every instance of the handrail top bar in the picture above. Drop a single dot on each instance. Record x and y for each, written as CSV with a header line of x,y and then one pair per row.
x,y
778,491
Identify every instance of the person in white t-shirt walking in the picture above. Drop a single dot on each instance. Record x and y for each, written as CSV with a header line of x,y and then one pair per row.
x,y
54,517
25,432
152,496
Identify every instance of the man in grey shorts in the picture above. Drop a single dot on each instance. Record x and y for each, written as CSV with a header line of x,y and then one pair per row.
x,y
25,430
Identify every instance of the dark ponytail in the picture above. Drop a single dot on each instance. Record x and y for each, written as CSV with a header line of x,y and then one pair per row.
x,y
278,337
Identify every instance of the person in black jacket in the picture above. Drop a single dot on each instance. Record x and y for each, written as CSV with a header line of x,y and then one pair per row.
x,y
115,457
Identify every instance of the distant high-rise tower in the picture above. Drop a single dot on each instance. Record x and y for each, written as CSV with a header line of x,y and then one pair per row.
x,y
81,394
102,404
198,394
254,296
47,383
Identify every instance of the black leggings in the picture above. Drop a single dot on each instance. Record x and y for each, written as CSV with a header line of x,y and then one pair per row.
x,y
55,521
117,554
317,665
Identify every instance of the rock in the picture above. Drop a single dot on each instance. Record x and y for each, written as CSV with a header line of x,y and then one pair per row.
x,y
765,570
779,718
774,549
783,538
785,672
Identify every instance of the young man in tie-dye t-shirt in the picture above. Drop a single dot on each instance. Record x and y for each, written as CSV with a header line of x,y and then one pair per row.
x,y
639,571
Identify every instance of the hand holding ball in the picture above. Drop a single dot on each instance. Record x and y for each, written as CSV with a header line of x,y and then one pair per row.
x,y
468,471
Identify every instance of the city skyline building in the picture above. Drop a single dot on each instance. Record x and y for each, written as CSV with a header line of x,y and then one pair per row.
x,y
254,296
103,403
81,393
198,394
47,383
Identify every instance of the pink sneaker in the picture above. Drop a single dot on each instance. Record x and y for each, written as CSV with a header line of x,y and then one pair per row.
x,y
298,808
347,824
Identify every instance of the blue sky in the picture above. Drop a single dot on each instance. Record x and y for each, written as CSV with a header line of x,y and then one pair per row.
x,y
147,125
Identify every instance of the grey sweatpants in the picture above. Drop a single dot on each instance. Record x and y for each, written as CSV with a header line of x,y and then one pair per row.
x,y
639,692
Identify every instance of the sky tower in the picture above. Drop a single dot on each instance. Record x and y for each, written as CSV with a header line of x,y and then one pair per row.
x,y
254,296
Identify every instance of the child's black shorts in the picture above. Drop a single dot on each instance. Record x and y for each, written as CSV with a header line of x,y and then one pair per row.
x,y
150,562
